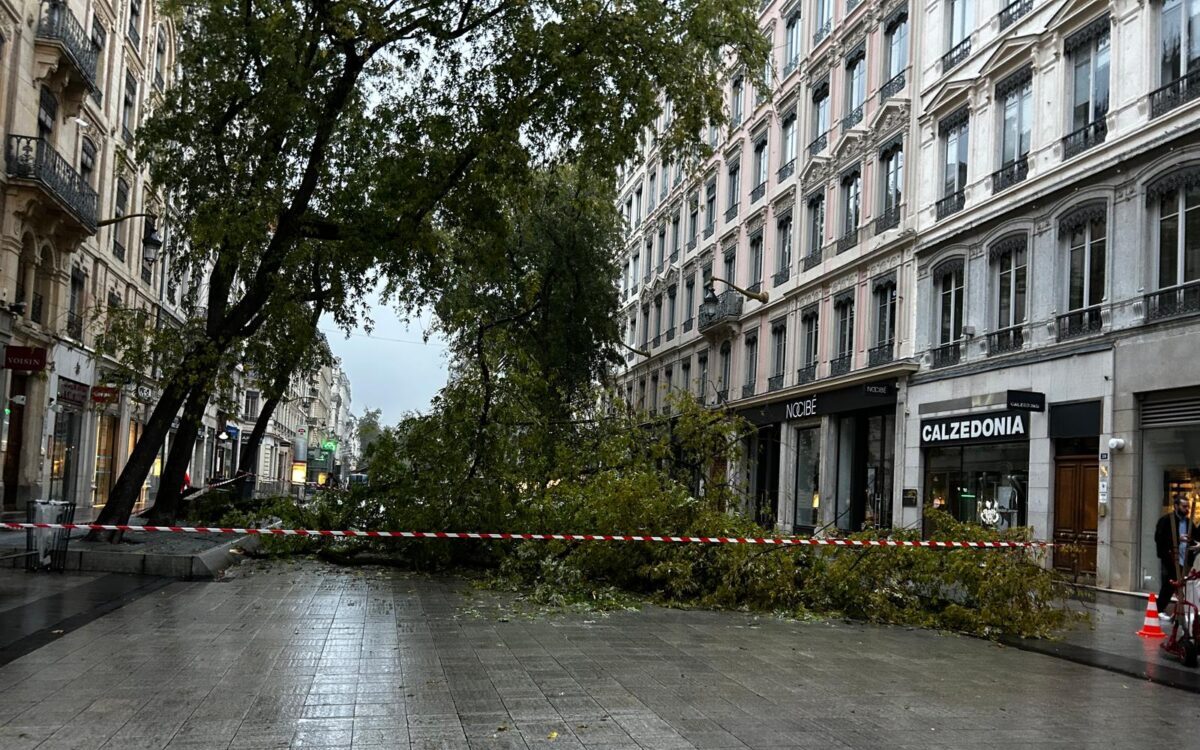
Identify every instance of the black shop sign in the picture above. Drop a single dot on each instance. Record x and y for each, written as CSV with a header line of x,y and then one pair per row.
x,y
993,427
807,405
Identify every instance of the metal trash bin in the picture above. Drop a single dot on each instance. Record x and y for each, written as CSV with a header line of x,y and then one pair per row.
x,y
47,548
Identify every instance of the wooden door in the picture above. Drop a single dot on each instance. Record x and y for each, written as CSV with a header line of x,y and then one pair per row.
x,y
1075,503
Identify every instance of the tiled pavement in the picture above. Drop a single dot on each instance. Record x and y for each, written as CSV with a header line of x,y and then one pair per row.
x,y
307,656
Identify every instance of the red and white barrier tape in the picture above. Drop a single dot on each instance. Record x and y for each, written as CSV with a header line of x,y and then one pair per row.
x,y
778,541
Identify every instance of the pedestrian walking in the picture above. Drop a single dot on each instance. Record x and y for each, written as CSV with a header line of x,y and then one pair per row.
x,y
1177,540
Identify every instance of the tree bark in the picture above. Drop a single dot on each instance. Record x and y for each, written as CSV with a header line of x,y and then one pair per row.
x,y
249,456
170,486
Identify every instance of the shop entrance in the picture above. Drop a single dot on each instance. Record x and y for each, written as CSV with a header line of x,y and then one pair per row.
x,y
865,465
1075,493
14,438
766,476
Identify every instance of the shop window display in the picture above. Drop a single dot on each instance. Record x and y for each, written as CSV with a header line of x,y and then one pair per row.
x,y
808,478
987,485
1170,469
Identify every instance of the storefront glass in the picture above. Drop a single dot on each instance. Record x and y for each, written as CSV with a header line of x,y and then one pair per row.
x,y
106,441
808,478
64,449
983,484
1170,469
135,432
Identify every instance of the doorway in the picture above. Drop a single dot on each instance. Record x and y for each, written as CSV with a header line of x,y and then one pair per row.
x,y
766,479
1076,478
14,438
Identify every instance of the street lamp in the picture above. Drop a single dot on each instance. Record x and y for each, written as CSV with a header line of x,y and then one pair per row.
x,y
151,242
760,296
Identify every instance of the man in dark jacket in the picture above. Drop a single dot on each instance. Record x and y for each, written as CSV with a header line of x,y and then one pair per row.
x,y
1177,541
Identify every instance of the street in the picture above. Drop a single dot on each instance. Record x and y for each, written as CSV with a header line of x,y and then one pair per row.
x,y
302,654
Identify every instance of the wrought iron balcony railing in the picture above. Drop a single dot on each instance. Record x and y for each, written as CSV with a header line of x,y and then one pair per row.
x,y
1081,140
819,144
747,390
806,374
813,259
851,5
670,334
790,66
37,307
852,118
729,308
687,324
781,275
775,382
709,228
1079,323
947,355
894,86
657,341
822,32
786,171
889,219
1006,340
840,365
1013,12
1010,174
731,212
1174,302
951,204
147,273
691,244
881,354
755,287
159,83
847,240
36,160
957,54
1177,92
59,24
674,255
758,192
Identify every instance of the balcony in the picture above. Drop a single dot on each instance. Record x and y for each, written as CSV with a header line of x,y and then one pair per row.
x,y
147,273
75,326
957,54
722,395
674,255
1010,174
1180,91
852,118
747,390
775,382
839,365
1079,323
806,374
889,219
813,259
781,276
1006,340
670,333
659,268
691,245
951,204
731,212
847,241
1175,302
786,171
851,5
634,289
882,354
61,38
790,67
894,86
1081,140
758,192
822,32
1013,12
35,161
687,324
819,144
947,355
709,228
729,309
657,341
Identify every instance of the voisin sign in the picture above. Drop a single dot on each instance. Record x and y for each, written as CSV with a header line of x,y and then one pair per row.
x,y
993,427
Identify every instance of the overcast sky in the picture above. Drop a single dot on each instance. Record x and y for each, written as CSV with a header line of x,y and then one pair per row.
x,y
390,368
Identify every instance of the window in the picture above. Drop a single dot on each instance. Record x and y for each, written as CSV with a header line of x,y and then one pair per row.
x,y
675,236
810,321
783,241
135,21
710,206
734,187
1179,41
896,47
726,365
634,275
99,37
649,251
778,348
791,48
87,160
47,112
885,313
671,311
251,404
851,205
763,91
651,196
645,325
120,207
735,101
950,303
816,224
702,365
75,306
955,136
662,246
1010,304
787,146
756,253
685,375
693,225
654,393
1089,54
844,341
820,124
751,364
891,173
127,109
160,59
1179,236
1088,253
637,204
1015,129
689,292
760,164
823,20
856,89
730,264
658,306
962,21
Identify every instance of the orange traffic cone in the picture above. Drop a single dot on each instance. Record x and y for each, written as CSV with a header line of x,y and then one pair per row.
x,y
1150,628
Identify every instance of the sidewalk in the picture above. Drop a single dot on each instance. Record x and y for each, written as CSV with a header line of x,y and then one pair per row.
x,y
1110,642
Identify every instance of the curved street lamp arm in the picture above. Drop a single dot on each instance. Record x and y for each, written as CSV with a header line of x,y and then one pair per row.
x,y
760,296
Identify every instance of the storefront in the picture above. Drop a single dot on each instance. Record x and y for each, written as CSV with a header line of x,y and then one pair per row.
x,y
105,400
1170,438
838,445
65,458
977,467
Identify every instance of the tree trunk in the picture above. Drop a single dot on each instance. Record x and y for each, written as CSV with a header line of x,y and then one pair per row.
x,y
249,457
170,486
129,484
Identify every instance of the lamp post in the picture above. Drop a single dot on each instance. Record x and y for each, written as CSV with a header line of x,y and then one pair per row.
x,y
760,296
151,242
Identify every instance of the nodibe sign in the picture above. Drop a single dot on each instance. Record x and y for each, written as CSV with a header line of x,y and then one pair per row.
x,y
801,408
993,427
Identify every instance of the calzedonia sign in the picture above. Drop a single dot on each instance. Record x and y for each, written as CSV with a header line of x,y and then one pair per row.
x,y
992,427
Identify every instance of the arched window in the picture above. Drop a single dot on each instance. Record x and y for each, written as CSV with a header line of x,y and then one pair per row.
x,y
1084,231
949,294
